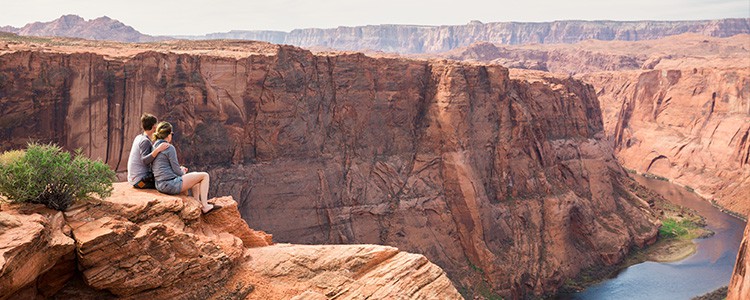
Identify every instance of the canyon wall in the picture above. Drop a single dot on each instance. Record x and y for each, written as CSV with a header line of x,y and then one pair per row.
x,y
678,108
689,125
739,286
506,183
434,39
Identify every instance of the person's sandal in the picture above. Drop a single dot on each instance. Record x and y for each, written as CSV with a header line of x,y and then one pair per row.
x,y
213,209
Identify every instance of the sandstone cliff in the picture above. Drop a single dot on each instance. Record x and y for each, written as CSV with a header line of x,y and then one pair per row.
x,y
143,244
503,182
673,52
433,39
690,126
739,286
677,108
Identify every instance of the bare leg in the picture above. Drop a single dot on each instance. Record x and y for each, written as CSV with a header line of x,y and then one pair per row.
x,y
195,191
204,186
198,183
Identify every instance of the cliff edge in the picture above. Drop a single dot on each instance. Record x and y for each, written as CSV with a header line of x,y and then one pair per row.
x,y
739,286
143,244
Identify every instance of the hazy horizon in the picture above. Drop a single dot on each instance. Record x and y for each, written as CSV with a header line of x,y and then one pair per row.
x,y
195,17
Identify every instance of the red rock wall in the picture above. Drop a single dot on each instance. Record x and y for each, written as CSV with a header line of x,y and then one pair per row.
x,y
433,39
691,126
739,286
493,179
677,107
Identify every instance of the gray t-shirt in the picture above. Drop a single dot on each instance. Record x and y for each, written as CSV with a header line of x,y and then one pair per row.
x,y
139,162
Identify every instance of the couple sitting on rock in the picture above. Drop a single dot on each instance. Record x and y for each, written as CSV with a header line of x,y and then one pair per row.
x,y
155,165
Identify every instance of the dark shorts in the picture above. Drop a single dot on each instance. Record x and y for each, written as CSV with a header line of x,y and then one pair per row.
x,y
146,183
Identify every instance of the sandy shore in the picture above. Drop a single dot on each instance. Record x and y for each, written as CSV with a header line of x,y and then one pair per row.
x,y
671,250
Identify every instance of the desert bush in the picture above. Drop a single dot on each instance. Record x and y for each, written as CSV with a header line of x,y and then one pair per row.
x,y
48,175
654,176
10,156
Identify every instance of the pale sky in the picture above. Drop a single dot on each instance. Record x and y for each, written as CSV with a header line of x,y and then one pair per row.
x,y
198,17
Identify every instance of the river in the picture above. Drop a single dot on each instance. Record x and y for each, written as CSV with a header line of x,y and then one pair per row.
x,y
708,269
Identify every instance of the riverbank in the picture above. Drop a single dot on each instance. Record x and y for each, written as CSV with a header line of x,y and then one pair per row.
x,y
718,294
691,190
680,226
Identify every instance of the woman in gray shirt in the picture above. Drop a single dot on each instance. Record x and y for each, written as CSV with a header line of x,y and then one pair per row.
x,y
171,178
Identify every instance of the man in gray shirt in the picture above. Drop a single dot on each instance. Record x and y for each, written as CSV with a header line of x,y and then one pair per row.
x,y
142,155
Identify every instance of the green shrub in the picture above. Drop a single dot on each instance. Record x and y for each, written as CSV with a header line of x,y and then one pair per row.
x,y
45,174
654,176
673,228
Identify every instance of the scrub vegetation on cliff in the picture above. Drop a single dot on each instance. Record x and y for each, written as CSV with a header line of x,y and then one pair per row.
x,y
48,175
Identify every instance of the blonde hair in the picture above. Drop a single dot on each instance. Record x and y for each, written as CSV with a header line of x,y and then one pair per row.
x,y
163,130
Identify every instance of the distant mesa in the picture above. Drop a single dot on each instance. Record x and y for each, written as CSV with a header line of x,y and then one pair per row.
x,y
415,39
102,28
410,39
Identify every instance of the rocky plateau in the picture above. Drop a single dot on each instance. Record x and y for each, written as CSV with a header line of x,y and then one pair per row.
x,y
412,39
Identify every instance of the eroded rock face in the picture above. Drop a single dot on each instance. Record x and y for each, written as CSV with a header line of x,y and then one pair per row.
x,y
739,286
347,272
146,244
433,39
36,251
678,108
691,126
495,179
142,244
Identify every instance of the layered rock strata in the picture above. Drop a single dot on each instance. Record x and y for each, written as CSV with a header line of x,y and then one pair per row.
x,y
678,108
143,244
36,252
434,39
503,182
345,272
691,126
